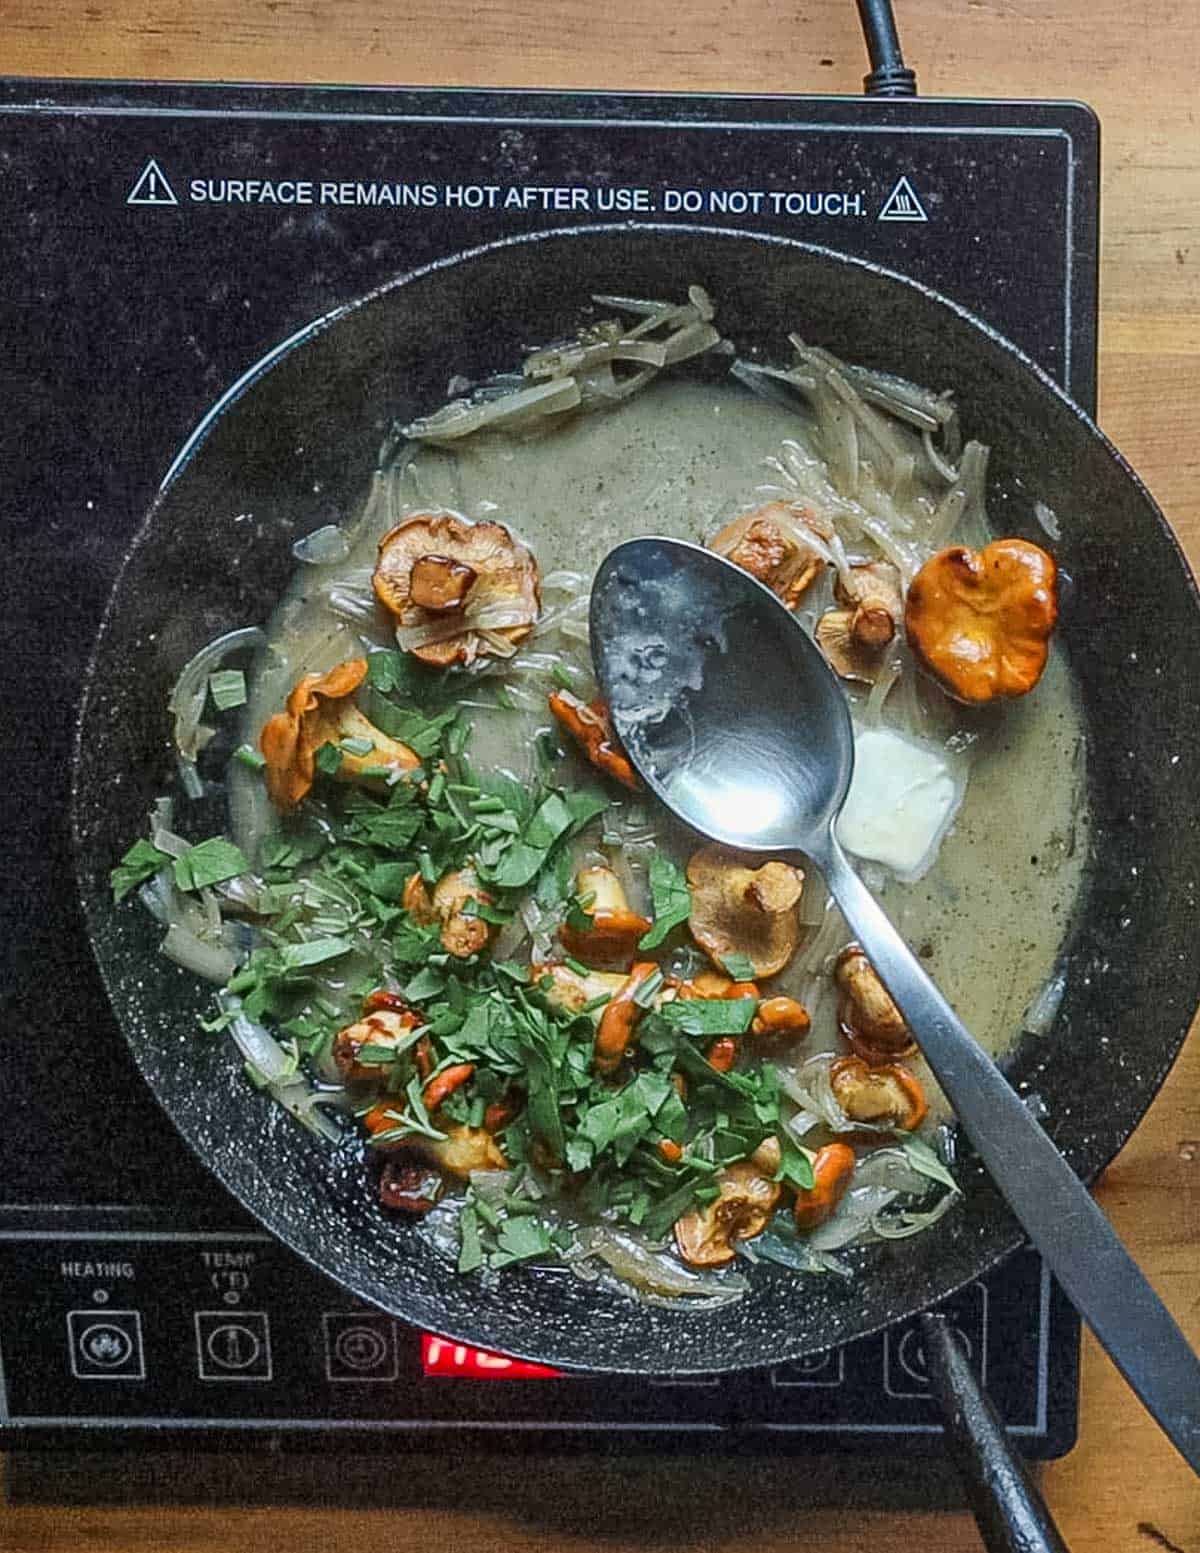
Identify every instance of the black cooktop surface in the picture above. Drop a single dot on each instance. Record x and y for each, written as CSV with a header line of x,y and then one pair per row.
x,y
157,242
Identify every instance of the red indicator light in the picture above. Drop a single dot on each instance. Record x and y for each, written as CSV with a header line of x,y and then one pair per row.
x,y
441,1357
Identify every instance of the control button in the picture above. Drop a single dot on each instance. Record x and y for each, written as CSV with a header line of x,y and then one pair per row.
x,y
815,1369
905,1368
233,1346
359,1345
106,1345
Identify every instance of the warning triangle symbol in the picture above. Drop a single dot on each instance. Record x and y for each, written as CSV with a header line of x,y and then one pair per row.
x,y
902,204
152,187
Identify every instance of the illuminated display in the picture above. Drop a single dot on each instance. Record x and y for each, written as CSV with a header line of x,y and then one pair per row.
x,y
439,1357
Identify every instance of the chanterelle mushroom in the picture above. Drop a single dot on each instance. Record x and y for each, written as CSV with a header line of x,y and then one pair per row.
x,y
769,543
853,637
320,710
461,935
869,1019
739,909
614,927
705,1236
981,623
458,590
462,1150
571,991
384,1028
589,725
881,1097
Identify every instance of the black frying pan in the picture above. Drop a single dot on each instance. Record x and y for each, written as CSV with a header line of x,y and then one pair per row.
x,y
214,553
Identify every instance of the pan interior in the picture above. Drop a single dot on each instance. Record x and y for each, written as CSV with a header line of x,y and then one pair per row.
x,y
258,482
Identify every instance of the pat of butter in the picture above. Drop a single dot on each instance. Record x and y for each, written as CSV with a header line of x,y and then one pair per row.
x,y
902,798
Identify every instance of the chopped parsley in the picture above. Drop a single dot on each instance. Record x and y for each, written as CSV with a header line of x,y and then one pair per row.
x,y
210,862
671,898
141,862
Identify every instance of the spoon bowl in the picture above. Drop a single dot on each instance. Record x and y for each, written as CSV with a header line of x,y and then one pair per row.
x,y
727,709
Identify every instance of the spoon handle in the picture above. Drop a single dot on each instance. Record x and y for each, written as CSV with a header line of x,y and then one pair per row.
x,y
1078,1243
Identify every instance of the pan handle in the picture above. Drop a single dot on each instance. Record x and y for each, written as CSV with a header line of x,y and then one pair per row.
x,y
1010,1512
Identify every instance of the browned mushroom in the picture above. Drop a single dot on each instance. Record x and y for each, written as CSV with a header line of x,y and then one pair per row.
x,y
882,1097
570,991
769,543
705,1236
869,1019
384,1028
740,909
981,623
320,710
714,986
619,1018
462,1150
872,606
833,1171
462,935
781,1017
440,584
589,725
410,1188
458,590
613,927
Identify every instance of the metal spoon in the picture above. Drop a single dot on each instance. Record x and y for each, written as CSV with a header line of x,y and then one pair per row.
x,y
730,713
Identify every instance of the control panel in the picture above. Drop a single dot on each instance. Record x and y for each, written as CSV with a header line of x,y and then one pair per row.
x,y
125,1331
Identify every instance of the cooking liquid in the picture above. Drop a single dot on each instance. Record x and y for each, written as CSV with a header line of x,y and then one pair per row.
x,y
681,459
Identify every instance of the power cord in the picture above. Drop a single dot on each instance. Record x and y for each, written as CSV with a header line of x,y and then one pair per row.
x,y
890,76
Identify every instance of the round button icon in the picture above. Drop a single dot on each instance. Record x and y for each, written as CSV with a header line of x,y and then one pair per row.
x,y
232,1346
360,1348
911,1353
106,1345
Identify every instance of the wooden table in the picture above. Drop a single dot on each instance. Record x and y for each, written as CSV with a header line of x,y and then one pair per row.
x,y
1122,1489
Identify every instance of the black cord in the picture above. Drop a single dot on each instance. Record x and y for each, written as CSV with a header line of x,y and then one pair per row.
x,y
890,76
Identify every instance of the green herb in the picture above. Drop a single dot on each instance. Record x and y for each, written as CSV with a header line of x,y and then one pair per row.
x,y
402,674
359,747
504,701
248,756
710,1016
557,816
519,1239
427,983
922,1158
296,957
387,880
421,732
662,1216
580,969
209,862
470,1252
140,863
739,966
391,829
672,900
228,689
649,989
375,1056
562,676
795,1166
328,760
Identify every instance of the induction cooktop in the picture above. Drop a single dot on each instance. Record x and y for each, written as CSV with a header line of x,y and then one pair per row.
x,y
159,244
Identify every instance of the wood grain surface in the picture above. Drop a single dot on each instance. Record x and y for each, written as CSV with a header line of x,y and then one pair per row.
x,y
1121,1490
